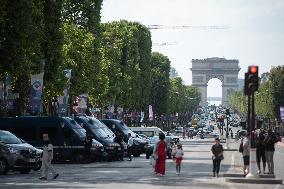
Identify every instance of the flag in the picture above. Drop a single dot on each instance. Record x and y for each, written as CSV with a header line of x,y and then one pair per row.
x,y
282,113
151,116
35,103
142,117
9,92
82,104
1,90
63,100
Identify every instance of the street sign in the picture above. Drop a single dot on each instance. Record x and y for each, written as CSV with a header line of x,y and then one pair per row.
x,y
282,113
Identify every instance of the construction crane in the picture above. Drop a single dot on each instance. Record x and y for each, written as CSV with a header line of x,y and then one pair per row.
x,y
158,27
165,44
212,27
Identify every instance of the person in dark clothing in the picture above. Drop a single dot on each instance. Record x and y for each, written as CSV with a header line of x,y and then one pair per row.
x,y
260,152
119,139
217,156
87,145
269,143
129,146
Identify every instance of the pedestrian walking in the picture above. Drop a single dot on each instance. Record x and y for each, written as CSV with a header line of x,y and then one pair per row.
x,y
217,156
246,153
174,150
87,151
269,143
260,152
129,147
119,139
161,153
178,156
47,157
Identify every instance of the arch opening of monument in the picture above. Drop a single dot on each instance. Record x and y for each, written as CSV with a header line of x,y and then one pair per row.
x,y
223,69
214,92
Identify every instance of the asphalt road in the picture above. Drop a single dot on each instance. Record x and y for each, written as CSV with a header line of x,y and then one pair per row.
x,y
196,173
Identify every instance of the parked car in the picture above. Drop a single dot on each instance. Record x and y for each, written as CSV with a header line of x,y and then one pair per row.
x,y
174,138
148,131
66,135
17,155
154,141
92,126
117,126
179,130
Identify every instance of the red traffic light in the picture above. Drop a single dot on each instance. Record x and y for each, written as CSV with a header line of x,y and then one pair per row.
x,y
253,69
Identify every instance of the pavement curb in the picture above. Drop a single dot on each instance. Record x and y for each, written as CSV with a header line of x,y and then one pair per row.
x,y
254,180
240,175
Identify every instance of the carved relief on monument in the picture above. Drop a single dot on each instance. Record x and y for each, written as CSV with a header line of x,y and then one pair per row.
x,y
198,79
210,76
231,80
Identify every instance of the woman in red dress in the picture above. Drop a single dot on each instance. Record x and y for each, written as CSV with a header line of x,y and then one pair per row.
x,y
161,152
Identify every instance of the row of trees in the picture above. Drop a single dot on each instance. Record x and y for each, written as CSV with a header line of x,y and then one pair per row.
x,y
268,98
112,62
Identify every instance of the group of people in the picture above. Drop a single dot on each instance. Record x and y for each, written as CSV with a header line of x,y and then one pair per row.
x,y
265,147
160,156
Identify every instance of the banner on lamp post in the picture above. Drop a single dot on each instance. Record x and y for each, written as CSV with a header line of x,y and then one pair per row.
x,y
63,100
1,90
35,103
9,93
82,104
151,114
282,113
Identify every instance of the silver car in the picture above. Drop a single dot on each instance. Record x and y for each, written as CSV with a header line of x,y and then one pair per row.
x,y
17,155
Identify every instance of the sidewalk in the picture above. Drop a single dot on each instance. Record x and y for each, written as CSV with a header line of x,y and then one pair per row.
x,y
235,172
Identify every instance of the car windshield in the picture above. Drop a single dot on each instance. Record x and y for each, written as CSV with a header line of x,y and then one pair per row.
x,y
8,138
122,126
99,133
107,131
80,132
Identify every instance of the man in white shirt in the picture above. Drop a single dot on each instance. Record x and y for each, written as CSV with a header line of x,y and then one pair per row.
x,y
129,146
47,157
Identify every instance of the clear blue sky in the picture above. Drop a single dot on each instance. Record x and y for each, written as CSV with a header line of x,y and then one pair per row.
x,y
255,34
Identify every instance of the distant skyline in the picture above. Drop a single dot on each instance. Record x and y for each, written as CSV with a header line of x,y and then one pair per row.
x,y
254,31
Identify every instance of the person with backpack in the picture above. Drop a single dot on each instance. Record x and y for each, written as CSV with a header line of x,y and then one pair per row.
x,y
269,143
245,150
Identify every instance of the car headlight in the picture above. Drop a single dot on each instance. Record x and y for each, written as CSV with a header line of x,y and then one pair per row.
x,y
14,151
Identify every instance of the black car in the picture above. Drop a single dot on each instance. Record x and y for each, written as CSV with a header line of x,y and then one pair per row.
x,y
117,126
154,140
94,128
66,135
17,155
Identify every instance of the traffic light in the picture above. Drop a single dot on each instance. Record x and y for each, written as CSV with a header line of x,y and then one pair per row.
x,y
253,78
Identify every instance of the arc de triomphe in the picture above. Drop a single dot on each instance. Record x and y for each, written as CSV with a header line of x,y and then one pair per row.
x,y
225,70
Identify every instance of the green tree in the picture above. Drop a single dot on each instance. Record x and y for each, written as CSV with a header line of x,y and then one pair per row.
x,y
277,89
54,79
160,68
126,49
20,44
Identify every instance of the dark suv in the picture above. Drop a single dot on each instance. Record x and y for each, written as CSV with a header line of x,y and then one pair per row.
x,y
139,145
16,154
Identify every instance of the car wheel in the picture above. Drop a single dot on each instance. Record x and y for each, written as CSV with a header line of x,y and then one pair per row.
x,y
25,171
38,166
147,156
78,158
4,167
